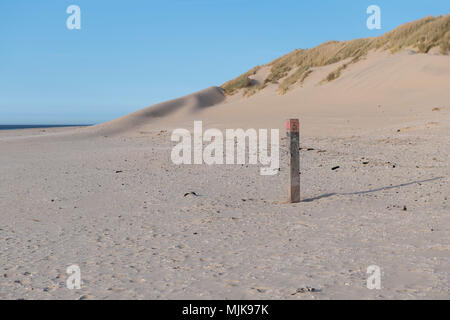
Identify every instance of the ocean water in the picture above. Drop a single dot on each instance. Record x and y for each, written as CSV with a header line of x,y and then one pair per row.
x,y
36,126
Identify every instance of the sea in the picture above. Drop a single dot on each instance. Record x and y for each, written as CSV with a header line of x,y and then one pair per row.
x,y
38,126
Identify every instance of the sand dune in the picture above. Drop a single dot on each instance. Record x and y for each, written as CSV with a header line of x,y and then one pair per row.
x,y
381,90
191,104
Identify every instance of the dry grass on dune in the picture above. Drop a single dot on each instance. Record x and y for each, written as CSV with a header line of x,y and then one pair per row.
x,y
423,34
243,81
293,68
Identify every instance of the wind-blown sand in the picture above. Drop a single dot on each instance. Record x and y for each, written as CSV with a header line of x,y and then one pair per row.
x,y
109,199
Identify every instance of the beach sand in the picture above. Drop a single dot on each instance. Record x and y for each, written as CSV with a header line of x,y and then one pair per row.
x,y
108,198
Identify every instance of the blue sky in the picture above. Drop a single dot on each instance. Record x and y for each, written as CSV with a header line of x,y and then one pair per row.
x,y
132,54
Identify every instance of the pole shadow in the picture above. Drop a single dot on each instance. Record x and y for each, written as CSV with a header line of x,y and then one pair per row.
x,y
327,195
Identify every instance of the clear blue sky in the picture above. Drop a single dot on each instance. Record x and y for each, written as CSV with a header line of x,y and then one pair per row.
x,y
132,54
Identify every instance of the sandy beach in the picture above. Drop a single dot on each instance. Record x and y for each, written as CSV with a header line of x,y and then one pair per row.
x,y
108,198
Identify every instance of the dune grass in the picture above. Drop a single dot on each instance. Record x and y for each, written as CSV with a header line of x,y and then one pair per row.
x,y
298,76
243,81
254,89
445,43
423,34
293,68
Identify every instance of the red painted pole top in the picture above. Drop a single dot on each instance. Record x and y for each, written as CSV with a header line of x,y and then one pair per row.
x,y
292,125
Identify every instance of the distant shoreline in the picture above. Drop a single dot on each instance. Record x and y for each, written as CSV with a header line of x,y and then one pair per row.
x,y
39,126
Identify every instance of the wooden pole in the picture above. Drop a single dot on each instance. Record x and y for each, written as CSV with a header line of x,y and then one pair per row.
x,y
293,138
